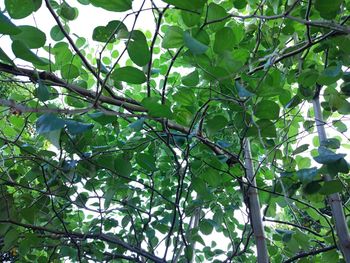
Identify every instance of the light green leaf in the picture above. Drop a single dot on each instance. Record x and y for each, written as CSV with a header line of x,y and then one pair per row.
x,y
129,75
156,109
173,37
224,40
69,72
267,109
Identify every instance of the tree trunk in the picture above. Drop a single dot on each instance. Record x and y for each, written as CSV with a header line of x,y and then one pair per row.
x,y
334,200
254,207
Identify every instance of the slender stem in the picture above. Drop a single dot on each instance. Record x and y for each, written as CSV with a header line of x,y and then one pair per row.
x,y
334,200
254,206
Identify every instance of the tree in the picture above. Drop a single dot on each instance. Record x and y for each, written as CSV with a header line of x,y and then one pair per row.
x,y
195,142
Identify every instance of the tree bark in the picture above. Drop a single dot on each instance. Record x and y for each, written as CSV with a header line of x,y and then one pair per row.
x,y
254,207
334,200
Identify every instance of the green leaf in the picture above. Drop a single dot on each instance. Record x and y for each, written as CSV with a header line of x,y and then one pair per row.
x,y
18,9
146,161
206,227
49,122
156,109
242,91
137,125
68,12
307,175
7,27
327,156
56,33
138,49
185,96
10,239
331,187
42,92
75,127
239,4
31,36
102,118
5,58
187,5
173,37
328,9
330,75
191,18
191,80
267,109
340,166
300,149
215,16
108,197
195,46
122,166
23,52
69,72
216,123
312,188
224,40
113,5
129,75
108,32
331,143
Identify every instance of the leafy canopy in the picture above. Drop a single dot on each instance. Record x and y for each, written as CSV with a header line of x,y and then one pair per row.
x,y
126,145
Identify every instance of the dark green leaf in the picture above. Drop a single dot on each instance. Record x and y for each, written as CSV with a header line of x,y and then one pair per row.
x,y
138,49
21,8
327,156
109,32
331,187
7,27
146,161
49,122
42,92
328,9
191,80
187,5
31,36
113,5
23,52
300,149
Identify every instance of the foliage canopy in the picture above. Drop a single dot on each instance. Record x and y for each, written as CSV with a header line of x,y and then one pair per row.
x,y
134,146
